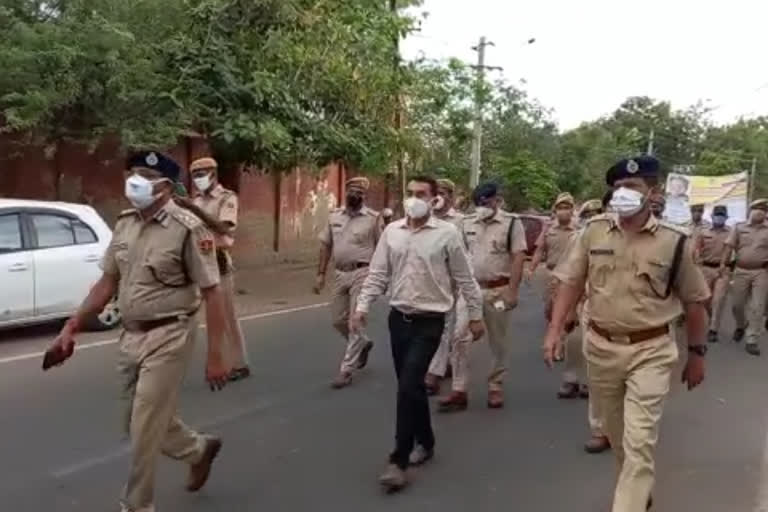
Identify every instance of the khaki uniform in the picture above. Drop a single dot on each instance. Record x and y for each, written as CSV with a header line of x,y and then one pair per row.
x,y
750,278
439,364
554,242
594,413
352,238
491,261
626,282
161,264
711,246
222,204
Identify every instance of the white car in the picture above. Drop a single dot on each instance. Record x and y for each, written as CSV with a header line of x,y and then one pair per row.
x,y
50,256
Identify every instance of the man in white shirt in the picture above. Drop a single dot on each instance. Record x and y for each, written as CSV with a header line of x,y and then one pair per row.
x,y
420,258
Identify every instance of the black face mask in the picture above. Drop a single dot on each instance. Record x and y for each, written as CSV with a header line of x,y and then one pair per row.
x,y
354,202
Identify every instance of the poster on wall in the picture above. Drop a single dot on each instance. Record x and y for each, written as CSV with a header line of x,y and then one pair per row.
x,y
684,190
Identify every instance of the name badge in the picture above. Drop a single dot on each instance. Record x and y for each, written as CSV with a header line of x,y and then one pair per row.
x,y
601,252
338,225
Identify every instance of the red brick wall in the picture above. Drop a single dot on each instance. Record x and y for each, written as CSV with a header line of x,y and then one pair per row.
x,y
288,219
75,173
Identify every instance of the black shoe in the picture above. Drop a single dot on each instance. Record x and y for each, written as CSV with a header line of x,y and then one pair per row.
x,y
712,337
752,349
649,504
362,361
239,374
738,335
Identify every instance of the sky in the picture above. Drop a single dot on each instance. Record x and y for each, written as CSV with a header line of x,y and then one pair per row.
x,y
590,55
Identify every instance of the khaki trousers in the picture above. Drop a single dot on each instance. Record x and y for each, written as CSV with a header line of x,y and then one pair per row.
x,y
749,291
346,288
718,286
439,364
574,362
629,384
496,325
235,339
151,367
594,413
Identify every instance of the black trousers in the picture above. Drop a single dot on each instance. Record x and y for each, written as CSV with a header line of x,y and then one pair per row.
x,y
415,339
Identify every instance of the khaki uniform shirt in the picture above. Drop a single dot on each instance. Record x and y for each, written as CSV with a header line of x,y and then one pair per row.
x,y
352,235
162,263
487,243
452,216
554,242
750,243
626,276
422,267
712,244
221,203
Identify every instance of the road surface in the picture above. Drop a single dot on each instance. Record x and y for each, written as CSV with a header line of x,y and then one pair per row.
x,y
293,444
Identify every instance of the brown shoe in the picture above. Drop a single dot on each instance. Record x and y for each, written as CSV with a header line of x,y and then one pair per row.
x,y
597,444
343,380
456,401
568,390
198,473
393,479
495,399
432,382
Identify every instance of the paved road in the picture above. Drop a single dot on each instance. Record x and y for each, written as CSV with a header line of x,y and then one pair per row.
x,y
293,444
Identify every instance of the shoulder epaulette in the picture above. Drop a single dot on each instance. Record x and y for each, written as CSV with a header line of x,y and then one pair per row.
x,y
681,230
185,218
127,213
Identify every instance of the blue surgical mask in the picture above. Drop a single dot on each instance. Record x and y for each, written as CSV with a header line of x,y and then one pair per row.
x,y
719,220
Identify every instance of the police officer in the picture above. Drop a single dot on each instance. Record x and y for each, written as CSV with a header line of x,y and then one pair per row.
x,y
749,241
640,276
351,237
697,222
710,246
217,207
496,241
598,441
439,366
550,247
159,262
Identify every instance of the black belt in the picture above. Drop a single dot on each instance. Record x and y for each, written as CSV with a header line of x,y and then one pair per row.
x,y
149,325
710,265
352,266
421,315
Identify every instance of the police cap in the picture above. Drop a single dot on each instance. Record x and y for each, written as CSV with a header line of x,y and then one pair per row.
x,y
484,192
155,161
720,209
640,167
759,204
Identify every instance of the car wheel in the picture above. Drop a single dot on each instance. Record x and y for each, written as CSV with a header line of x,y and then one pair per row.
x,y
108,319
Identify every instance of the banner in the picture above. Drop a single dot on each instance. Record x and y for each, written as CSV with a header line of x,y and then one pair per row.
x,y
683,190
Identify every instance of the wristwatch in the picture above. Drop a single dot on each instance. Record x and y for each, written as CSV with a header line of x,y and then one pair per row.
x,y
699,350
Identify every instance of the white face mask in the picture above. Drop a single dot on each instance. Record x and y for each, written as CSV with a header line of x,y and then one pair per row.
x,y
203,183
627,202
416,208
139,191
484,212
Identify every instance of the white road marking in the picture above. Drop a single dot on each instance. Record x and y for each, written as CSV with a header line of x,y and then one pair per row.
x,y
97,344
124,448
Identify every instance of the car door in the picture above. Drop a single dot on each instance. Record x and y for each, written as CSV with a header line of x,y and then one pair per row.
x,y
66,257
17,299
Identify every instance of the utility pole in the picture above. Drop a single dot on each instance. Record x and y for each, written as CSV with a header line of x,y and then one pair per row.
x,y
752,181
400,178
477,128
650,143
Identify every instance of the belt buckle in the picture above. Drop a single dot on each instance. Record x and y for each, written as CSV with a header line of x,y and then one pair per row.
x,y
624,339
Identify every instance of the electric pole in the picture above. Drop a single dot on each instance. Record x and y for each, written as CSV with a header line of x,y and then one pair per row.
x,y
400,178
650,143
477,128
